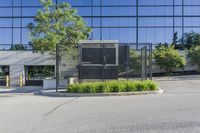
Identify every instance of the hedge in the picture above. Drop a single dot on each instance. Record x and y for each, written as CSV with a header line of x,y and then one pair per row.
x,y
112,86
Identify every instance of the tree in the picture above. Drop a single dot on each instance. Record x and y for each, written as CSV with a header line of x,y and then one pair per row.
x,y
168,58
175,38
57,27
194,56
190,39
57,24
18,47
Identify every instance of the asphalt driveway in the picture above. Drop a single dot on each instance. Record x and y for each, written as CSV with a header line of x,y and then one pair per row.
x,y
175,111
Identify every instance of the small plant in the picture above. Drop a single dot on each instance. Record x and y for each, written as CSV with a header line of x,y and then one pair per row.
x,y
112,86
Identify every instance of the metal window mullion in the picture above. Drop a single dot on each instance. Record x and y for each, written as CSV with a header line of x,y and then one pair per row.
x,y
182,17
21,22
137,25
173,17
12,36
101,13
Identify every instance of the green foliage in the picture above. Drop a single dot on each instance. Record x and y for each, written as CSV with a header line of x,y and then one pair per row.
x,y
190,39
112,86
175,38
134,62
41,71
194,56
4,71
168,58
57,24
18,47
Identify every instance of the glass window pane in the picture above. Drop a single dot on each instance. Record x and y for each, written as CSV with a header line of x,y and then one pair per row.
x,y
191,2
5,12
119,2
5,2
77,2
5,22
16,35
119,11
5,36
118,22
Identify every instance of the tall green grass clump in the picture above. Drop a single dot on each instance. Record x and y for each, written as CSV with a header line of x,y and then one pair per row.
x,y
112,86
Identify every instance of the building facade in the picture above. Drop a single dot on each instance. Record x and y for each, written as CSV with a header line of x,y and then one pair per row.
x,y
129,21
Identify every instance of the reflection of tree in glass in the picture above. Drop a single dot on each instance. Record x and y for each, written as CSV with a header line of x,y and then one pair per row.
x,y
134,63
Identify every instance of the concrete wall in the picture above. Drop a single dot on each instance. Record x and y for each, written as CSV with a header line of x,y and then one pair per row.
x,y
18,59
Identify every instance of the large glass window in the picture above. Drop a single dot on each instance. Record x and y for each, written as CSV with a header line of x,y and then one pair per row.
x,y
113,20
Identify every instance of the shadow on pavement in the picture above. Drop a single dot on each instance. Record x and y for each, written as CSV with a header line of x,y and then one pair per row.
x,y
18,90
177,78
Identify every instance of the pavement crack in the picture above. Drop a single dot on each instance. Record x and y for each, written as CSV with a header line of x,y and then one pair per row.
x,y
60,105
50,112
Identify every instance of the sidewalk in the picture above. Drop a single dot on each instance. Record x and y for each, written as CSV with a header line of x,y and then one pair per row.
x,y
17,89
177,78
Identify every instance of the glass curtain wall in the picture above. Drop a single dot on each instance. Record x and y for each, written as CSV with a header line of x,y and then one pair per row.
x,y
129,21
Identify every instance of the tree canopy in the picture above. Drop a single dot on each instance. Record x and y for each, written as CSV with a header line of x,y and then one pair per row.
x,y
190,39
168,58
194,56
57,24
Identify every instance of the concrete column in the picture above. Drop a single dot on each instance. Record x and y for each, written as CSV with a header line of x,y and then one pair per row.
x,y
15,71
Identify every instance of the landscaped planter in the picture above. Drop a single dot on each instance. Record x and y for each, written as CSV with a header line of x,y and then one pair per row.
x,y
64,94
51,83
113,87
109,88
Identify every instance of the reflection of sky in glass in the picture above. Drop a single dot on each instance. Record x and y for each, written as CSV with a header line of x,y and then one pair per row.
x,y
155,21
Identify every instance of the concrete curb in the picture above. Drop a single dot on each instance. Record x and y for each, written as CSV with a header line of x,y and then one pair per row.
x,y
58,94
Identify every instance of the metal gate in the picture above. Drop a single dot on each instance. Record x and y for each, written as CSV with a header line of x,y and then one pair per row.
x,y
144,63
98,61
132,62
135,61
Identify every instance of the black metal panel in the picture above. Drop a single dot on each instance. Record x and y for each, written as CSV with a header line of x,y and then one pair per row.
x,y
89,72
34,82
98,72
108,56
2,82
109,72
99,55
123,54
91,55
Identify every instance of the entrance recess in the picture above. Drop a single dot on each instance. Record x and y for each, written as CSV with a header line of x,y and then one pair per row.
x,y
34,75
4,71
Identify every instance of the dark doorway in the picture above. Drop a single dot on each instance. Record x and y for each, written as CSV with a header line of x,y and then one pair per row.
x,y
4,71
34,75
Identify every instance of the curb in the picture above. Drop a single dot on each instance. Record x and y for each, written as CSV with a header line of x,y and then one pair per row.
x,y
58,94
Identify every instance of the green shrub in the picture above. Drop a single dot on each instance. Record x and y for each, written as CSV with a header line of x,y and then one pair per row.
x,y
168,58
194,56
150,85
112,86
